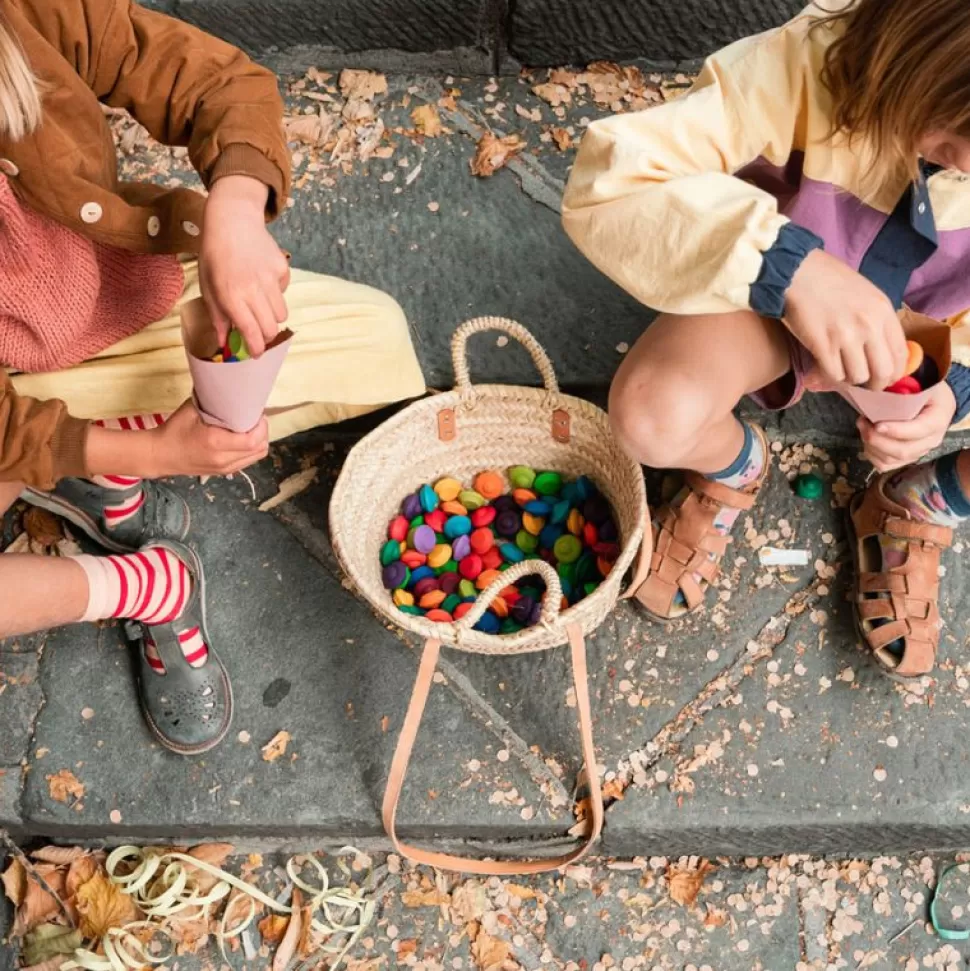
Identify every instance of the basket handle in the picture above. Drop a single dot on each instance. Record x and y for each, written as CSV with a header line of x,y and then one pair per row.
x,y
551,604
405,745
447,422
459,350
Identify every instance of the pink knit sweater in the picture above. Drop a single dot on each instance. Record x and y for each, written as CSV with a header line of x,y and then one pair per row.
x,y
64,298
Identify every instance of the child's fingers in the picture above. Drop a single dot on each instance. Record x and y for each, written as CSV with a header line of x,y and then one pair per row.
x,y
896,453
855,365
246,323
278,303
220,322
236,444
262,308
881,365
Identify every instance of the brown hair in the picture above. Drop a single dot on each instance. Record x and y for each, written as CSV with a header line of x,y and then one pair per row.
x,y
20,108
898,70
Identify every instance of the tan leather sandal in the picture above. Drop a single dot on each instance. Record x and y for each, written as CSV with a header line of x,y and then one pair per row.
x,y
686,543
901,603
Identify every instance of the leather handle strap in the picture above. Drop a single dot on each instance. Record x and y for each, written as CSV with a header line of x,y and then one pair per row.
x,y
644,560
405,745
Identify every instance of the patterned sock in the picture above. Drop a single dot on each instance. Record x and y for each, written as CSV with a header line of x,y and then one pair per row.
x,y
132,499
930,493
744,470
152,586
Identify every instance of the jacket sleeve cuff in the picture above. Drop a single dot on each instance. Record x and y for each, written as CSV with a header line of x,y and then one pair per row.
x,y
68,448
778,268
958,379
242,159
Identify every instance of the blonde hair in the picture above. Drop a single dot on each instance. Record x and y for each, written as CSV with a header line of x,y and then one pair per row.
x,y
20,105
899,71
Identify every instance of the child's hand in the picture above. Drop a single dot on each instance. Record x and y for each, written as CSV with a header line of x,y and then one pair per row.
x,y
846,322
185,445
244,274
894,444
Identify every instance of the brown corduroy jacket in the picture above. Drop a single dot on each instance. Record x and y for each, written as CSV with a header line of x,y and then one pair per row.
x,y
187,88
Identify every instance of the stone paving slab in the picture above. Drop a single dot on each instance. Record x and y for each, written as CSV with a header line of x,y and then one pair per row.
x,y
571,32
306,657
478,35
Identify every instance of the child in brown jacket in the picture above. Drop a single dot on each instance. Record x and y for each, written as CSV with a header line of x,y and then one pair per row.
x,y
94,391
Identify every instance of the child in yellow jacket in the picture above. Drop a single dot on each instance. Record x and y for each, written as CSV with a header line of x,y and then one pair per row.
x,y
814,181
94,388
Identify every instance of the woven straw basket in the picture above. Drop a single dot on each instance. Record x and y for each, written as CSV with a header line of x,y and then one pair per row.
x,y
459,434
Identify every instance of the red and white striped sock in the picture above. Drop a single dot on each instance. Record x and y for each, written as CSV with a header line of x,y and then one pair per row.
x,y
117,513
152,586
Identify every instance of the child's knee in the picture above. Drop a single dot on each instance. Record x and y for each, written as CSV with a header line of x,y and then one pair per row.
x,y
658,418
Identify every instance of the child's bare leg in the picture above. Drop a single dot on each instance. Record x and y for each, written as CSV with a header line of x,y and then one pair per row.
x,y
40,592
672,406
673,398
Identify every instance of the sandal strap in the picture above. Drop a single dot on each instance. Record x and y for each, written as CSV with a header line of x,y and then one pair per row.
x,y
687,544
721,494
905,598
941,536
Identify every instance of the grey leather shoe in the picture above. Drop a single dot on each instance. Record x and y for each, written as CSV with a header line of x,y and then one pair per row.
x,y
163,515
188,709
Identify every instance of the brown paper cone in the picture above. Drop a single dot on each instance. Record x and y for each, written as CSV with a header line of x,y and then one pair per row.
x,y
934,337
230,395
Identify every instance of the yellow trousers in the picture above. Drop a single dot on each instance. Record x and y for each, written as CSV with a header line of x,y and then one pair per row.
x,y
351,354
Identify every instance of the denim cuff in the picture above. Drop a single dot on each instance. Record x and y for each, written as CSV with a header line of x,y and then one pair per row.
x,y
780,264
959,381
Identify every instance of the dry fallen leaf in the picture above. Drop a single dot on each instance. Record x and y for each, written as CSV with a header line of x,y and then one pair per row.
x,y
305,945
562,75
38,906
494,153
684,883
365,85
192,935
555,94
469,901
289,488
489,953
294,931
48,941
424,898
613,790
313,130
79,872
276,746
215,854
43,527
59,855
522,893
427,120
102,905
65,784
357,110
534,114
715,917
562,138
14,880
273,927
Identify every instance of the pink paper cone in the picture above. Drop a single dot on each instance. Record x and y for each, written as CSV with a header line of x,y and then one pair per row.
x,y
230,395
934,337
883,406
